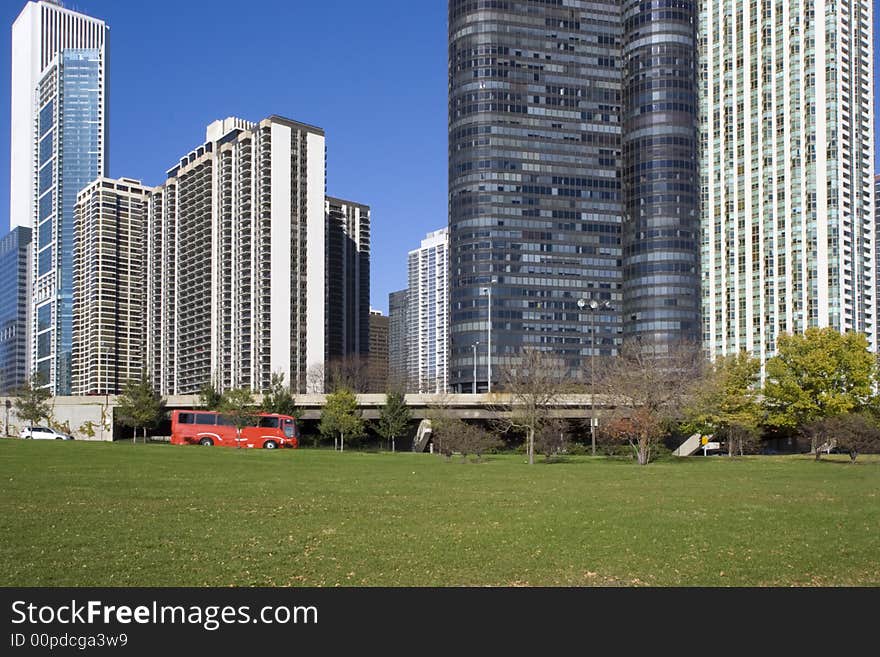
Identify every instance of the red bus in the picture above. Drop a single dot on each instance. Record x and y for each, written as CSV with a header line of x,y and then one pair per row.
x,y
208,428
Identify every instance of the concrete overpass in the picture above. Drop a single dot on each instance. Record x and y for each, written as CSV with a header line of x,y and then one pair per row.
x,y
92,417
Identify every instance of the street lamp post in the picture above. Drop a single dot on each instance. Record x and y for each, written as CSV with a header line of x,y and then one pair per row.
x,y
592,305
474,346
488,289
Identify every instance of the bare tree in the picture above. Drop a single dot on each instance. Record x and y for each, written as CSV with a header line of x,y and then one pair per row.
x,y
551,438
533,387
346,373
648,385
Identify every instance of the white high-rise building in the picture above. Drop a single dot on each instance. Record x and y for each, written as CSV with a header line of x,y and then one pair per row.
x,y
58,146
428,314
236,285
109,276
788,236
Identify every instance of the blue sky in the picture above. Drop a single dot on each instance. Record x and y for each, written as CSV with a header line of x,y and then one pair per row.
x,y
372,74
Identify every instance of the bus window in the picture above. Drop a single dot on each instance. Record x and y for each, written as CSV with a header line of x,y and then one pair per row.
x,y
185,418
289,428
206,418
225,421
269,422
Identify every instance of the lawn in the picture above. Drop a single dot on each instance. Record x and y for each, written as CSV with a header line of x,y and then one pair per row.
x,y
98,514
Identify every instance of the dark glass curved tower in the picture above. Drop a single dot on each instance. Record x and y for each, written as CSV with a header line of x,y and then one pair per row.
x,y
534,181
660,174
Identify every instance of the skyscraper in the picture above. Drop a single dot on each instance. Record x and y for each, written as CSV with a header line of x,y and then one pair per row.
x,y
428,314
398,348
535,197
58,145
378,352
236,281
347,266
661,222
787,154
15,272
109,280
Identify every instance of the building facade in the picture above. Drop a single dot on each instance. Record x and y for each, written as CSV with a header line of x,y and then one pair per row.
x,y
428,314
398,307
378,370
236,282
661,221
347,269
15,272
787,149
58,146
535,197
109,291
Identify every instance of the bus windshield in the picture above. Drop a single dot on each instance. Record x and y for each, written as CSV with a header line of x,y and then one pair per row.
x,y
289,428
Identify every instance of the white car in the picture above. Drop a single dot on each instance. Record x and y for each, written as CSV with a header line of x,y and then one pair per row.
x,y
44,433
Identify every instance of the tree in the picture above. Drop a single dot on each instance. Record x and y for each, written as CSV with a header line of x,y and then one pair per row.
x,y
394,417
209,397
550,439
820,373
854,433
341,417
534,385
32,400
139,406
278,398
238,407
726,401
648,385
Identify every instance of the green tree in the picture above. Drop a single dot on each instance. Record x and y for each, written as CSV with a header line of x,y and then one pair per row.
x,y
341,416
238,406
394,417
139,406
32,400
726,401
209,397
819,374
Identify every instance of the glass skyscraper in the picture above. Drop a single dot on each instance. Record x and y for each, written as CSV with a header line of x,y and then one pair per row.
x,y
58,146
572,175
15,250
70,151
535,198
660,174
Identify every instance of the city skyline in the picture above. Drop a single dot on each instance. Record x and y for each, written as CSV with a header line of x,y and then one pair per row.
x,y
297,71
138,60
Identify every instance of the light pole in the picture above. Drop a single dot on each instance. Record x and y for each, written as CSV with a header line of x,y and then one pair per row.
x,y
488,289
592,305
474,346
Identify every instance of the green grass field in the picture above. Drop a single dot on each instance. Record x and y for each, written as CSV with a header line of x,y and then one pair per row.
x,y
96,514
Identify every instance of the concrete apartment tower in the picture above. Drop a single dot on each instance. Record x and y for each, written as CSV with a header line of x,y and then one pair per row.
x,y
428,314
347,265
109,280
398,312
378,369
58,145
236,284
787,157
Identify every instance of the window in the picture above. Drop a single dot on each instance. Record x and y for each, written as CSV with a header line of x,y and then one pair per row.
x,y
269,422
186,418
206,418
44,317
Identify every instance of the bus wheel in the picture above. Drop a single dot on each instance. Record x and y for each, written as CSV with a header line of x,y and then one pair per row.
x,y
206,442
270,444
